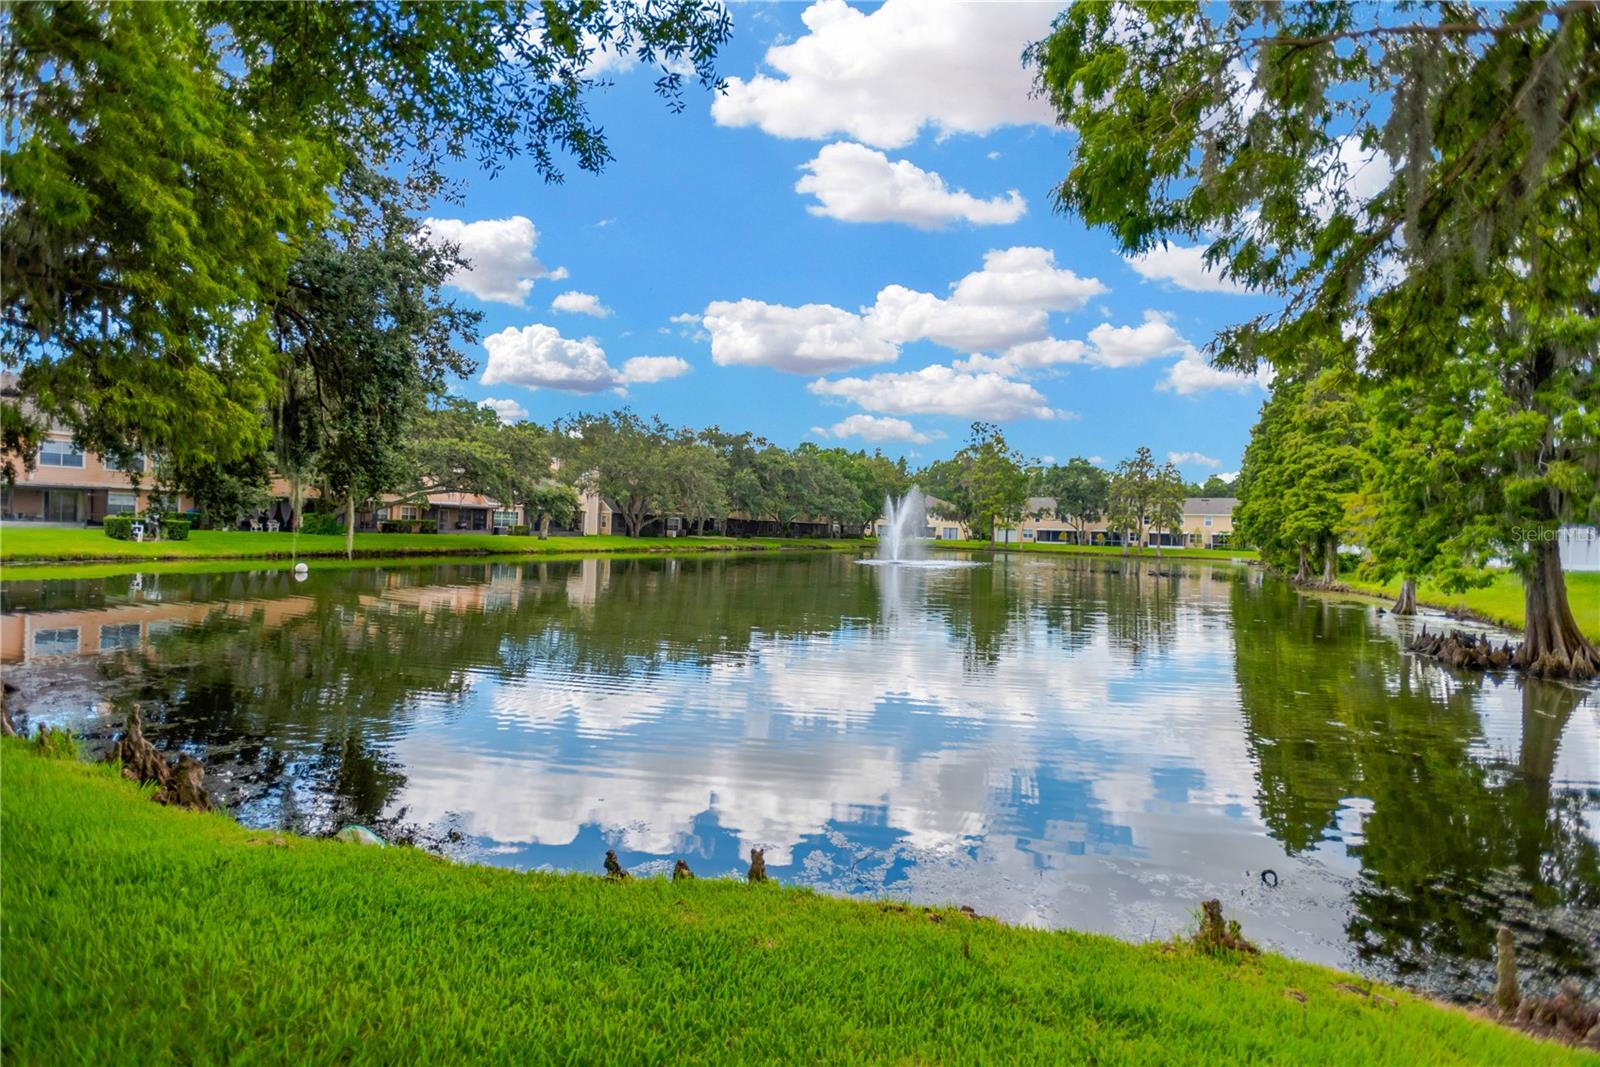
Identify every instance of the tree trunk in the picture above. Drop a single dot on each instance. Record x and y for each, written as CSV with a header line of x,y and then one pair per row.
x,y
294,502
544,526
1552,645
1407,603
1330,560
1305,568
350,526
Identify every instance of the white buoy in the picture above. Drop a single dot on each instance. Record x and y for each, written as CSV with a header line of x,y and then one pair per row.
x,y
300,570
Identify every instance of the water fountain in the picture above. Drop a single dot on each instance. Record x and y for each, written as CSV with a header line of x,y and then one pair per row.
x,y
903,540
904,523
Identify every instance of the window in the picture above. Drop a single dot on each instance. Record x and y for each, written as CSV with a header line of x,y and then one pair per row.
x,y
505,518
62,642
406,512
60,454
119,636
1208,520
135,465
121,503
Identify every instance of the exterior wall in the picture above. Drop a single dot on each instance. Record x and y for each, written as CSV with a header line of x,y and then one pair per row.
x,y
595,516
73,494
936,529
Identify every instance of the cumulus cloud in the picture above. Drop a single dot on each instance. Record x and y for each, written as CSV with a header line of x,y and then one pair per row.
x,y
879,77
875,428
641,370
1185,267
539,357
1193,374
508,410
941,390
1184,459
578,303
1026,276
1005,306
854,183
1125,346
809,339
903,315
502,267
1019,360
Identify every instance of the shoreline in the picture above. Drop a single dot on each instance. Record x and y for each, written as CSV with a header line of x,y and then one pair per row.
x,y
472,959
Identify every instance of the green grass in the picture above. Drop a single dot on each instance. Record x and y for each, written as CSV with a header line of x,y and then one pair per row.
x,y
22,544
134,933
1216,555
1501,602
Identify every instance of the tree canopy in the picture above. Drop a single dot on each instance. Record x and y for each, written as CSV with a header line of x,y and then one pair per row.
x,y
165,166
1418,184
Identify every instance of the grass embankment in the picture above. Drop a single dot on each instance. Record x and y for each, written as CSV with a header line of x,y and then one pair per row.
x,y
136,933
21,544
1500,602
1215,555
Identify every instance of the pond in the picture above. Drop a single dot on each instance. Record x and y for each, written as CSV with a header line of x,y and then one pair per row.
x,y
1070,742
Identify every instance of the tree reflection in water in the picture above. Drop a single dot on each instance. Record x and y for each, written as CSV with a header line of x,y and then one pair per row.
x,y
976,694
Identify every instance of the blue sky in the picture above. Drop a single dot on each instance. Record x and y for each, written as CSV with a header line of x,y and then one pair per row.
x,y
917,280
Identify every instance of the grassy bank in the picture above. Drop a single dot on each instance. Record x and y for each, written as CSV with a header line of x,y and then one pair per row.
x,y
136,933
22,544
1215,555
1501,602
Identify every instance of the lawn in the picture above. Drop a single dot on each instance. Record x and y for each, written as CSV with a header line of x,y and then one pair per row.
x,y
140,934
24,544
1501,602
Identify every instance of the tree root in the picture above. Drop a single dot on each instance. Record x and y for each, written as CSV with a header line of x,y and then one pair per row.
x,y
1463,650
1220,935
181,785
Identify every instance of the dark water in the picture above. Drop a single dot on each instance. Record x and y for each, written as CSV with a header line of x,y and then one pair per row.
x,y
1063,742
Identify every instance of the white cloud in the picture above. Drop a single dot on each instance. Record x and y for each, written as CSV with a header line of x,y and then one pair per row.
x,y
508,410
578,303
539,357
903,315
1184,459
1097,460
644,369
875,428
1229,476
810,339
881,76
941,390
1018,360
1193,374
854,183
1026,276
502,267
1185,267
1002,305
1125,346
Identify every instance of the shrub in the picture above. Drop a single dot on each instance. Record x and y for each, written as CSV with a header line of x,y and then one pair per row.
x,y
320,522
175,529
408,526
119,527
519,531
